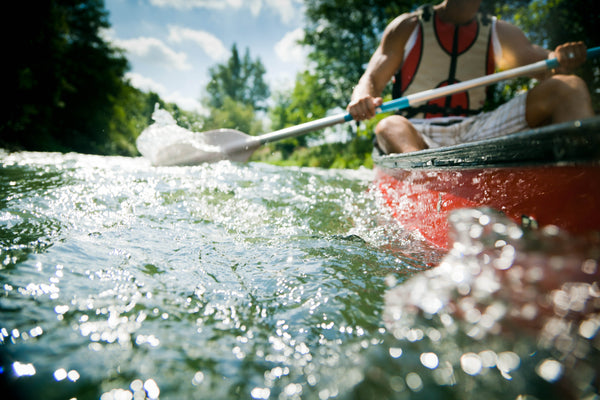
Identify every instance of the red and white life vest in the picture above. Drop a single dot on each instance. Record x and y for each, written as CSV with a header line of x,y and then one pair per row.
x,y
443,54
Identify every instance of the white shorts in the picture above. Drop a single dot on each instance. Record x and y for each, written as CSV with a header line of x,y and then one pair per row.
x,y
447,131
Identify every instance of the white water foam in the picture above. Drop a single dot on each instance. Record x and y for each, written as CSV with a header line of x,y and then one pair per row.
x,y
166,143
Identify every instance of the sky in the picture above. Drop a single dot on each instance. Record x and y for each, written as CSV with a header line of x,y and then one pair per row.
x,y
171,44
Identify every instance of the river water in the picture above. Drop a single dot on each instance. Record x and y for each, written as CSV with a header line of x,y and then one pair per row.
x,y
119,280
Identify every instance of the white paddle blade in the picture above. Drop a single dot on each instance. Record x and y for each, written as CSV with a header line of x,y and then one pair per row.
x,y
166,145
234,145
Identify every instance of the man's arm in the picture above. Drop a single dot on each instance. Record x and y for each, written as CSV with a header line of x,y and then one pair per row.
x,y
384,63
517,51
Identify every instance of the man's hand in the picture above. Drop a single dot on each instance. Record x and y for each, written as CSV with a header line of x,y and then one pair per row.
x,y
569,56
364,107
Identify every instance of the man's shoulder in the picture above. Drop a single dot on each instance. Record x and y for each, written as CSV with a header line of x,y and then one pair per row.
x,y
509,34
412,16
404,23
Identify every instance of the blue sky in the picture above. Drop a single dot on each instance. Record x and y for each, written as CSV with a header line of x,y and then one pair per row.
x,y
171,44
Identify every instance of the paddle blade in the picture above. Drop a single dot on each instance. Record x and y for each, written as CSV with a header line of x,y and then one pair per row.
x,y
166,143
234,145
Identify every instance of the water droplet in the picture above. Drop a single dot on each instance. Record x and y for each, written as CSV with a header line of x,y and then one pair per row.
x,y
293,389
414,382
136,385
61,309
22,369
395,352
589,328
550,370
60,374
260,393
73,375
151,389
471,363
589,267
429,360
198,378
508,361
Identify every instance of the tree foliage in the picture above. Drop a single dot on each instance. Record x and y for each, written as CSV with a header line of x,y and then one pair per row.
x,y
236,93
233,115
239,79
304,103
131,113
64,81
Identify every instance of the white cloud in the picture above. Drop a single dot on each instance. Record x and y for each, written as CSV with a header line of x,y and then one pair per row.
x,y
283,83
255,6
288,50
145,84
153,50
107,34
189,4
287,9
211,45
185,102
148,85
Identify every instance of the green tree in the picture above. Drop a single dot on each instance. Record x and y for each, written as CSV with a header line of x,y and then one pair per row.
x,y
240,79
235,93
233,115
305,102
66,80
131,114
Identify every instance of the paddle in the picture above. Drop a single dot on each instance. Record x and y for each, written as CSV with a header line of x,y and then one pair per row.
x,y
230,144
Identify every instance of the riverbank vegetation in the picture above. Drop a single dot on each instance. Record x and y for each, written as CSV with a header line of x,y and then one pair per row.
x,y
67,91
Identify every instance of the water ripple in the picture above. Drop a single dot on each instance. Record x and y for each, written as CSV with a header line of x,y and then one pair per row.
x,y
123,280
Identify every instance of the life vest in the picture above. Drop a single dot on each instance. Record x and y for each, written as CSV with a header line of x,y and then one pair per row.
x,y
444,54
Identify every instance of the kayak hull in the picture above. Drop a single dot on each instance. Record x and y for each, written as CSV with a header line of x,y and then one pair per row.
x,y
542,177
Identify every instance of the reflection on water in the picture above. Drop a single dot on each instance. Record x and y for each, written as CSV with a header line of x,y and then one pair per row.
x,y
119,280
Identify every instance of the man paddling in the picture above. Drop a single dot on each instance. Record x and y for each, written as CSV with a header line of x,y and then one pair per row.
x,y
451,42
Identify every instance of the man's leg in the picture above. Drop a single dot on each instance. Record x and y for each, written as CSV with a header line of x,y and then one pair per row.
x,y
395,134
560,98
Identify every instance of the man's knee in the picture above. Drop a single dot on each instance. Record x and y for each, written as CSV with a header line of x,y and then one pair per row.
x,y
395,134
563,87
569,85
558,99
391,124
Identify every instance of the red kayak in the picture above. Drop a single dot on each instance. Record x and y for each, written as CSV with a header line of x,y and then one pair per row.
x,y
545,176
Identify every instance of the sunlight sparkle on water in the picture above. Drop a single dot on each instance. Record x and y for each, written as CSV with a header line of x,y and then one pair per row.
x,y
257,281
484,293
23,369
550,370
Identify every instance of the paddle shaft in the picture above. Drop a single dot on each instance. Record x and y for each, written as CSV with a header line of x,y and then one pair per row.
x,y
403,102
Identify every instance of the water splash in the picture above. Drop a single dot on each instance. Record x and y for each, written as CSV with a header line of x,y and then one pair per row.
x,y
164,142
521,303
